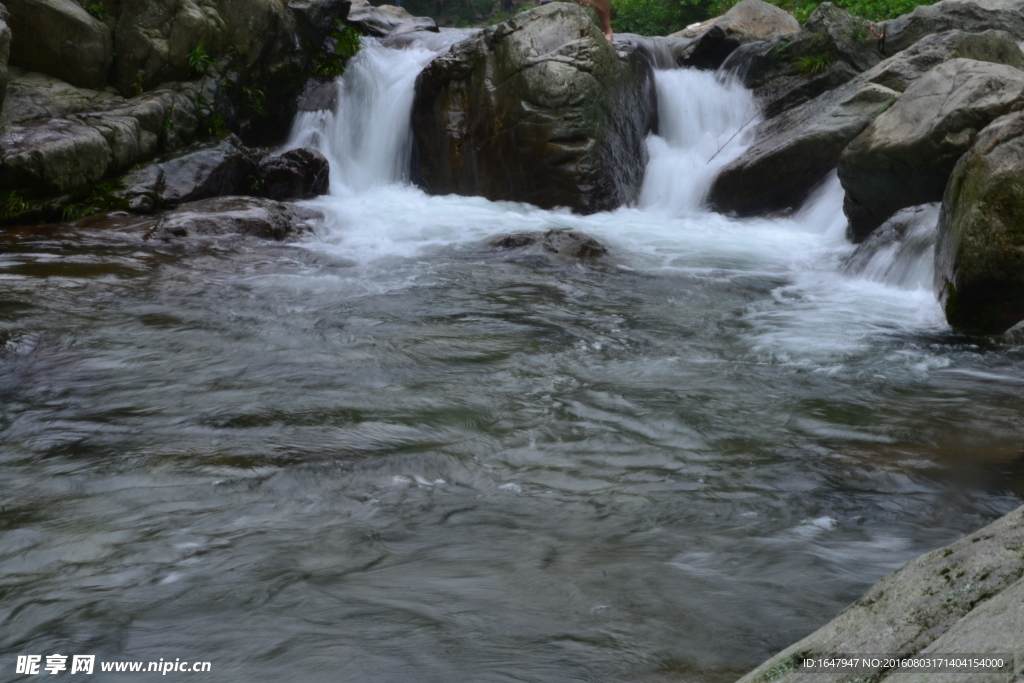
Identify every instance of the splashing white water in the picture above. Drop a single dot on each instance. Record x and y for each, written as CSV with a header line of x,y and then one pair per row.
x,y
374,215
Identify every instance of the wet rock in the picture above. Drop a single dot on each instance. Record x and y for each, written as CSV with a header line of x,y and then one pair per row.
x,y
793,152
315,18
5,52
296,174
786,162
251,216
59,38
971,17
747,21
663,52
539,109
32,95
901,251
319,96
979,260
906,155
385,20
561,245
52,155
963,598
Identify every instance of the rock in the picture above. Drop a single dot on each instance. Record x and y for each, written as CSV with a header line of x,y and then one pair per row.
x,y
901,251
963,598
1015,335
747,21
796,150
252,216
226,168
315,18
786,71
168,119
59,38
751,184
538,109
906,155
52,155
979,260
5,52
663,52
560,245
385,20
319,96
970,17
32,95
296,174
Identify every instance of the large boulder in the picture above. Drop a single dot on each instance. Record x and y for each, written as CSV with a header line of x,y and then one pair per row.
x,y
315,19
964,598
972,17
794,151
538,109
296,174
32,95
5,52
385,20
979,260
61,39
747,21
52,155
906,155
782,166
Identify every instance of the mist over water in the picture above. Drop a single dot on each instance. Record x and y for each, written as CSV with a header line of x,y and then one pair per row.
x,y
389,453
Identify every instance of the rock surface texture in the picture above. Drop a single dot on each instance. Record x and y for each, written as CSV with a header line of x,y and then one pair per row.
x,y
906,155
5,52
61,39
386,20
747,21
219,216
972,17
979,259
964,598
539,109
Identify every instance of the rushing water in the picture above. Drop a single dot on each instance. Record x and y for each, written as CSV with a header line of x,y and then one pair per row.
x,y
389,453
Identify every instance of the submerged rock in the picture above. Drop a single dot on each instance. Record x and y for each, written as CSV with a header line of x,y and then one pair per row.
x,y
251,216
539,109
906,155
979,260
963,598
901,251
562,245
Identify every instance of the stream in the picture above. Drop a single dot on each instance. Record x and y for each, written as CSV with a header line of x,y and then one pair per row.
x,y
389,452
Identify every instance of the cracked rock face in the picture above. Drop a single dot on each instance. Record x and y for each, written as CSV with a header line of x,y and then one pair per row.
x,y
539,109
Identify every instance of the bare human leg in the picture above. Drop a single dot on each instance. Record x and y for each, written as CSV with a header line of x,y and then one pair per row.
x,y
604,13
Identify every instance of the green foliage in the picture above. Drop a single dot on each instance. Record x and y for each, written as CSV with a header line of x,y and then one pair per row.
x,y
139,84
12,204
212,126
813,65
198,61
331,63
348,42
256,101
97,10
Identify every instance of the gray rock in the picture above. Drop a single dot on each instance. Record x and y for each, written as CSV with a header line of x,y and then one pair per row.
x,y
959,597
385,20
971,17
979,260
296,174
557,245
315,18
251,216
59,38
794,151
747,21
5,52
52,155
32,95
780,169
906,155
319,95
539,109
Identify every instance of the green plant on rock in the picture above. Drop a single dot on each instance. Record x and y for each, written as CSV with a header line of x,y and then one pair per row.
x,y
139,84
812,65
349,42
97,10
256,101
331,63
198,61
13,204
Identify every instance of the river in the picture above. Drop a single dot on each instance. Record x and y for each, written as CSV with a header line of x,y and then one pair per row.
x,y
388,452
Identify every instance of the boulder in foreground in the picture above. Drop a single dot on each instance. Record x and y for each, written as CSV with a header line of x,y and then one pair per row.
x,y
979,259
539,109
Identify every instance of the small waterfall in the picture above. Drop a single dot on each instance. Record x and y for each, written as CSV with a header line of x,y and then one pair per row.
x,y
704,123
900,253
367,137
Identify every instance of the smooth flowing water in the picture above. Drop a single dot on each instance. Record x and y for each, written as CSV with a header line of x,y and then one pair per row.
x,y
388,452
